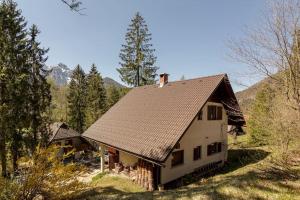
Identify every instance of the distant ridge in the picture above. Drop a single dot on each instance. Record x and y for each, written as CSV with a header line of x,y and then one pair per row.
x,y
246,97
109,82
61,75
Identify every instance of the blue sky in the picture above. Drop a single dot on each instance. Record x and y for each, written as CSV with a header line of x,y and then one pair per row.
x,y
189,36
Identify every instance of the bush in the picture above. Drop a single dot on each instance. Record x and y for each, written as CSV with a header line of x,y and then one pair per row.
x,y
43,175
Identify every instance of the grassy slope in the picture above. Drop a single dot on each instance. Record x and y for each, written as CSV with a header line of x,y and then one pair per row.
x,y
242,178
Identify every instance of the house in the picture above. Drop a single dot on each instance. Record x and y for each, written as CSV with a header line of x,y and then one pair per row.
x,y
163,132
68,139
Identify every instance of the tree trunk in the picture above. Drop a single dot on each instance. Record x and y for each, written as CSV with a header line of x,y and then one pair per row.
x,y
3,154
14,152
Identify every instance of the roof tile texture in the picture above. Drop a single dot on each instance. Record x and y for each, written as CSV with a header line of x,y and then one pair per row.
x,y
149,120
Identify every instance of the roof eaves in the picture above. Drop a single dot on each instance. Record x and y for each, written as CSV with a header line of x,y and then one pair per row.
x,y
137,155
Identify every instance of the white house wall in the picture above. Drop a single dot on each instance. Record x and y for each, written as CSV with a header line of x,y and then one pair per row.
x,y
127,159
200,133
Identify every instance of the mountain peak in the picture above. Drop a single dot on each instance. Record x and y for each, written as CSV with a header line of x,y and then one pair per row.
x,y
61,74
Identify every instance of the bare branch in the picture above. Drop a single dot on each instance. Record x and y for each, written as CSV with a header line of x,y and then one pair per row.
x,y
74,5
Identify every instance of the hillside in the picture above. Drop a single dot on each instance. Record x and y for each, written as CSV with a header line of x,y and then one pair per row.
x,y
247,96
109,82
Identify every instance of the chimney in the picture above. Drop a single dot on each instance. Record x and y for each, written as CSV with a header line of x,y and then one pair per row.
x,y
163,79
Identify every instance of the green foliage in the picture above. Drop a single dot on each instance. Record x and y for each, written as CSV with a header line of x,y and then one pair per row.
x,y
15,75
260,117
43,175
77,100
96,96
25,95
113,95
98,176
39,91
59,103
137,56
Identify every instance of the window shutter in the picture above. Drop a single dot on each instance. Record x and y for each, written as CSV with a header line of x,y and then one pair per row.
x,y
219,113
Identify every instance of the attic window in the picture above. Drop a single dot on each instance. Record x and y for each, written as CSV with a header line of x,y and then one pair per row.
x,y
214,112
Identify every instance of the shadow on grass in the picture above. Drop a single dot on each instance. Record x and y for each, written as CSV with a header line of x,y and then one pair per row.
x,y
113,193
251,184
237,158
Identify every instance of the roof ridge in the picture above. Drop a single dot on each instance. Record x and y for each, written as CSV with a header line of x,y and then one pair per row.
x,y
156,84
59,124
198,78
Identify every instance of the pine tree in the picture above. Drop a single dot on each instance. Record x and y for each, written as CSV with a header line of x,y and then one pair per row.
x,y
16,72
40,96
3,100
96,96
114,95
77,100
137,55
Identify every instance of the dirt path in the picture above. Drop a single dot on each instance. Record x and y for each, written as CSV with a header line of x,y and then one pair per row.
x,y
87,177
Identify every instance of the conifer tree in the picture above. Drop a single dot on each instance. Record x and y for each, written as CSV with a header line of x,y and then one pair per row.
x,y
77,99
114,95
3,100
40,96
137,55
96,96
16,71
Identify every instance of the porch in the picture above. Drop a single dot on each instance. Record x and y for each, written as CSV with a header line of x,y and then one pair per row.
x,y
142,172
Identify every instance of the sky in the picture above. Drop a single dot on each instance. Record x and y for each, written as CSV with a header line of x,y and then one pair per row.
x,y
190,36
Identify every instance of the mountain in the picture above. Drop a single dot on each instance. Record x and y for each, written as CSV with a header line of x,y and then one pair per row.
x,y
109,82
61,74
246,97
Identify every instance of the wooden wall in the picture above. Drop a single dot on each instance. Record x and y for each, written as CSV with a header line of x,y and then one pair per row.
x,y
145,175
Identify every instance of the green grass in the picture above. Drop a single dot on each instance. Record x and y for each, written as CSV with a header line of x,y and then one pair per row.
x,y
243,178
98,177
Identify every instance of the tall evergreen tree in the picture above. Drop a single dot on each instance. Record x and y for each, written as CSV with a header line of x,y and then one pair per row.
x,y
16,72
137,55
40,96
3,100
96,96
77,99
113,95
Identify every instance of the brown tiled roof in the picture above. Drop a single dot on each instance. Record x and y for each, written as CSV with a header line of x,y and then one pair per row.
x,y
62,131
149,120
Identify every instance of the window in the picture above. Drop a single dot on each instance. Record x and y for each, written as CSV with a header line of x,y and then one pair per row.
x,y
214,148
200,115
178,157
214,112
197,153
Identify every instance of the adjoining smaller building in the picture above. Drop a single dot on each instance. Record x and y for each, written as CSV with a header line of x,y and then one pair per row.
x,y
68,139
